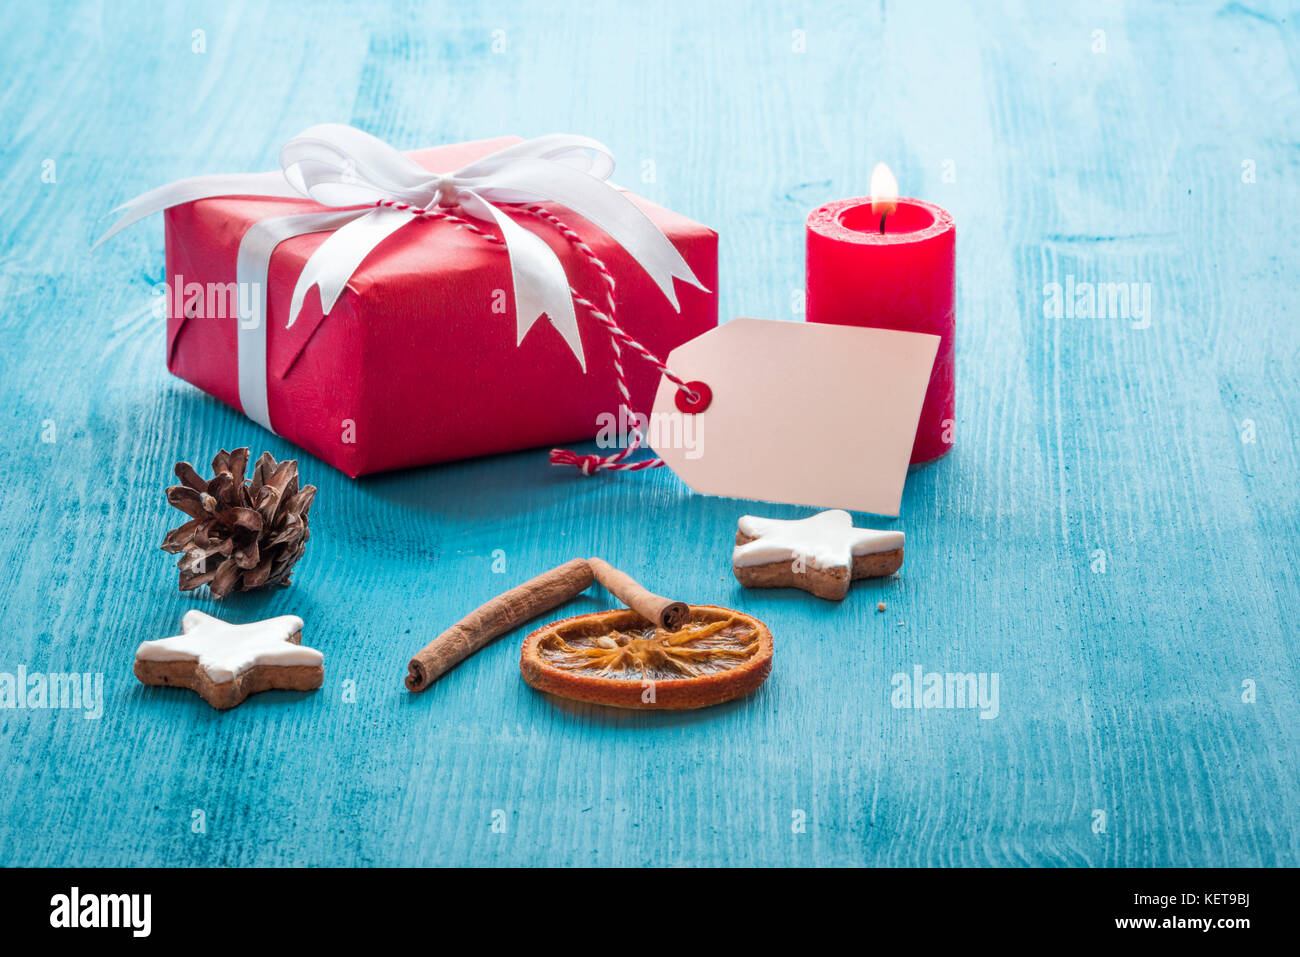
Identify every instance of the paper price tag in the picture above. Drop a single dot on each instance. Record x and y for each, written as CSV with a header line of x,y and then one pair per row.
x,y
801,413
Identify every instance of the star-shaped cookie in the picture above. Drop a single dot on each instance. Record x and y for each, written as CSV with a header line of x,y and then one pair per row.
x,y
820,554
225,663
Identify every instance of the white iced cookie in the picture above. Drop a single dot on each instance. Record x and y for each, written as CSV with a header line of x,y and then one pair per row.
x,y
821,554
225,663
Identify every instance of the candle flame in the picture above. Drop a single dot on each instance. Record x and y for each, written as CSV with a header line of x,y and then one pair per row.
x,y
884,190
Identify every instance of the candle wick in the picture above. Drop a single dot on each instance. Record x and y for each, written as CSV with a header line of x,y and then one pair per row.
x,y
882,224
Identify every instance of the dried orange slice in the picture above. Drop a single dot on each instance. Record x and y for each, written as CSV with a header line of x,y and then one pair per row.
x,y
618,658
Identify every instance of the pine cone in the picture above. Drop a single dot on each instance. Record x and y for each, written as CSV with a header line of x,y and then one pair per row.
x,y
241,535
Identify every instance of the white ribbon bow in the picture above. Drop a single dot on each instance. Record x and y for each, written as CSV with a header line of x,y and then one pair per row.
x,y
341,166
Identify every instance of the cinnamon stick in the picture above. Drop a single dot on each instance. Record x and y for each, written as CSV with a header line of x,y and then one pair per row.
x,y
664,612
490,621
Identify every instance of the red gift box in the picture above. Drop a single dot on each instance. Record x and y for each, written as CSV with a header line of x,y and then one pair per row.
x,y
417,362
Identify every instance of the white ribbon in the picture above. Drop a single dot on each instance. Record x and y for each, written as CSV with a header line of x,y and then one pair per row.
x,y
343,167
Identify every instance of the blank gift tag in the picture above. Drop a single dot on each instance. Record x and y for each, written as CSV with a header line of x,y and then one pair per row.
x,y
796,412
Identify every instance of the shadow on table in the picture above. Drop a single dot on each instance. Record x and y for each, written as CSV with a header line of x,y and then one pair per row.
x,y
493,487
634,719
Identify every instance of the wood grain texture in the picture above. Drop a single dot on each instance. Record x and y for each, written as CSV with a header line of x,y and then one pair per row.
x,y
1121,691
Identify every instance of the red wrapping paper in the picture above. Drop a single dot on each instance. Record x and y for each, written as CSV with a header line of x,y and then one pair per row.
x,y
417,362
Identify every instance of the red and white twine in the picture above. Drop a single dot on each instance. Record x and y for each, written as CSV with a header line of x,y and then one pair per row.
x,y
618,337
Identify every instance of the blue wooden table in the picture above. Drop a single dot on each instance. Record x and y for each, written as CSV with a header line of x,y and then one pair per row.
x,y
1116,536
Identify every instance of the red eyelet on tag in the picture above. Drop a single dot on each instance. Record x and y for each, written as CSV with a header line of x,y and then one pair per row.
x,y
703,396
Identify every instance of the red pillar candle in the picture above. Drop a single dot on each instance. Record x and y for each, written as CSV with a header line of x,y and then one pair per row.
x,y
902,278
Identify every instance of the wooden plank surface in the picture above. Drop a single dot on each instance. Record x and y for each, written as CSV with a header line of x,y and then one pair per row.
x,y
1116,535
